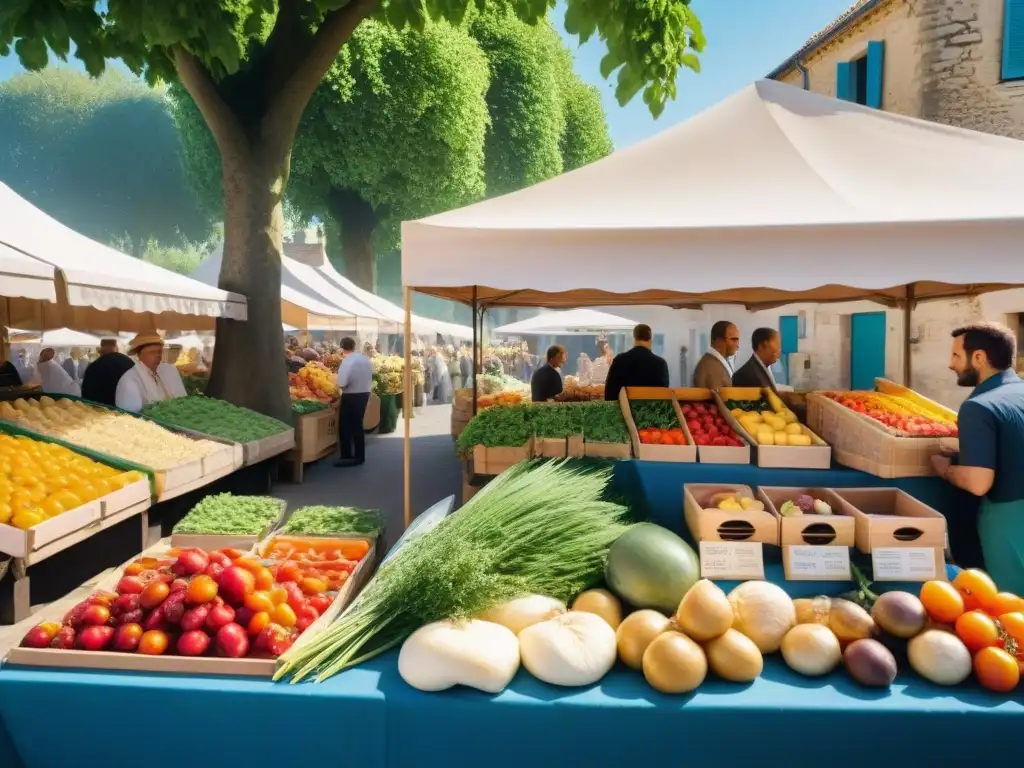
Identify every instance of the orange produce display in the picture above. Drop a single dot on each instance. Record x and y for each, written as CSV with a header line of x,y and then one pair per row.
x,y
315,564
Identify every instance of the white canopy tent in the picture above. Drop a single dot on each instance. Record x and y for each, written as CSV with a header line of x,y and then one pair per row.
x,y
773,196
53,277
60,338
575,322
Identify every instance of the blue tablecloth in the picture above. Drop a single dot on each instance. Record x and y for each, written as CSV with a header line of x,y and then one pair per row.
x,y
369,717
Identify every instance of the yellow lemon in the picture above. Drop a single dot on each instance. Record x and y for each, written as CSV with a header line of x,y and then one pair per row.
x,y
25,520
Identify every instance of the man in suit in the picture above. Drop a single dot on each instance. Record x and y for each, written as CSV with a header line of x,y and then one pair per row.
x,y
757,371
639,367
715,368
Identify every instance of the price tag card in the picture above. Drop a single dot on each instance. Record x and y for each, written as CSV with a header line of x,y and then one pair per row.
x,y
903,563
810,563
734,560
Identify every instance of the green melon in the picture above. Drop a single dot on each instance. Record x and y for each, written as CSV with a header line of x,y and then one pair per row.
x,y
650,567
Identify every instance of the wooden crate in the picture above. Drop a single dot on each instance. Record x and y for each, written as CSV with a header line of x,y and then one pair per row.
x,y
273,445
186,665
818,455
674,453
714,454
862,443
797,533
129,496
316,436
575,447
598,450
494,461
550,447
708,524
19,543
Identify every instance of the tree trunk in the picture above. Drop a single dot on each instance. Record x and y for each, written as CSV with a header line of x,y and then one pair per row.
x,y
357,220
249,365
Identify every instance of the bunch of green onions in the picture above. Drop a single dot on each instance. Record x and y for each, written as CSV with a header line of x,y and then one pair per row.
x,y
539,528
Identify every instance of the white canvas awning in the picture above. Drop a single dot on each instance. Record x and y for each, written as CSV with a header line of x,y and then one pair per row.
x,y
59,338
577,322
52,276
775,195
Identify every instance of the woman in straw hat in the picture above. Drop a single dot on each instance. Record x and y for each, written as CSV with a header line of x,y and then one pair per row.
x,y
150,380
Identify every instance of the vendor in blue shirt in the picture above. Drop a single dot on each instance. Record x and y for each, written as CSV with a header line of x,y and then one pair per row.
x,y
991,460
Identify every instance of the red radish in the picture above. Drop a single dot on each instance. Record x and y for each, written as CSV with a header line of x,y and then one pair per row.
x,y
127,637
235,583
95,638
130,585
132,617
73,617
232,641
174,607
179,585
195,618
126,603
156,620
40,636
193,643
64,639
191,561
96,614
219,616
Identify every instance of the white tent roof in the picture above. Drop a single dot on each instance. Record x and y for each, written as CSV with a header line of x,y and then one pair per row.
x,y
89,278
61,337
573,322
774,195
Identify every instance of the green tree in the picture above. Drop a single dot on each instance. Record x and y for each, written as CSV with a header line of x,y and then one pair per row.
x,y
100,155
252,66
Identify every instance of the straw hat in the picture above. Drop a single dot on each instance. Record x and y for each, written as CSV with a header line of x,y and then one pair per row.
x,y
144,340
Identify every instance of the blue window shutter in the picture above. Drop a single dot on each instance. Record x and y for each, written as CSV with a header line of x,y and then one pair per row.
x,y
844,81
876,69
1013,40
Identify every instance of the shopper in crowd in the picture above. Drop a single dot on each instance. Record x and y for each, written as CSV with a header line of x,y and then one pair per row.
x,y
757,371
602,364
99,384
639,367
714,370
466,366
150,380
454,370
355,379
546,381
991,430
53,378
76,364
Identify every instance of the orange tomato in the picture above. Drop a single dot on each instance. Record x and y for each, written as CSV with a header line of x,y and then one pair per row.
x,y
977,630
259,602
1004,602
202,589
1013,625
257,623
252,566
996,670
313,586
942,601
975,587
264,578
232,553
154,594
133,569
284,615
154,642
290,571
278,595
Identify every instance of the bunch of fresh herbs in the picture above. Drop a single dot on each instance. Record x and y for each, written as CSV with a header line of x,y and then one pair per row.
x,y
302,407
557,420
322,520
603,423
498,426
227,514
653,414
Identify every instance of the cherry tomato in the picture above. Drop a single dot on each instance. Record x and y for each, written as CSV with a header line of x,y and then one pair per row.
x,y
154,594
249,564
306,616
975,587
942,600
202,589
154,642
259,602
977,630
264,578
232,553
134,569
278,595
258,622
1013,625
320,602
290,571
996,670
1004,602
284,615
313,586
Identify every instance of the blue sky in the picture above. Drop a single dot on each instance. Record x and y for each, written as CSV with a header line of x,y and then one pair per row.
x,y
746,39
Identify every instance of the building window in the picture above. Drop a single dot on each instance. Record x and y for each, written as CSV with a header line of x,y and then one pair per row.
x,y
861,80
1013,40
859,72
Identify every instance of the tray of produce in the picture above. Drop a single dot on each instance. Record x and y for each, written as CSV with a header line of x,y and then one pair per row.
x,y
314,381
332,521
187,611
302,407
176,460
727,513
226,520
779,438
260,436
315,562
715,432
498,438
656,425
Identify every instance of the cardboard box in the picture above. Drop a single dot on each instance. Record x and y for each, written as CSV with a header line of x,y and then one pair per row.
x,y
818,455
675,453
708,524
714,454
494,461
574,447
598,450
798,534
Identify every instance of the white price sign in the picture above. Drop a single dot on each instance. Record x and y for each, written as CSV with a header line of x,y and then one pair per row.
x,y
807,562
903,563
731,560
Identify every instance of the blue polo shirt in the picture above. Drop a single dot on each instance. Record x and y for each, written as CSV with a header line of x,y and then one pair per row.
x,y
991,426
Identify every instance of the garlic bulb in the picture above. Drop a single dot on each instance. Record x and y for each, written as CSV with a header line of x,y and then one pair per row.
x,y
573,649
477,654
523,612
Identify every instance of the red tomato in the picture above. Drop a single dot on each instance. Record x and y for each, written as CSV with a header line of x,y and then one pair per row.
x,y
306,616
232,641
96,615
127,637
235,583
320,602
193,643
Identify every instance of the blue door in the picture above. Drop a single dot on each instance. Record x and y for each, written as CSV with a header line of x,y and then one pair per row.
x,y
867,349
789,331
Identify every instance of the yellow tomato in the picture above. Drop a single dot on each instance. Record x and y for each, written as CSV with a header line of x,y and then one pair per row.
x,y
5,513
19,501
68,499
103,486
37,493
52,507
25,520
83,490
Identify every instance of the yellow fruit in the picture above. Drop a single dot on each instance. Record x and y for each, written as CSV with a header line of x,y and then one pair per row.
x,y
781,438
789,417
802,440
794,429
51,507
766,438
25,520
5,513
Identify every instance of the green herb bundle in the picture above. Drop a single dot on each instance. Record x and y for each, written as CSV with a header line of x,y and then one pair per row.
x,y
322,520
302,407
227,514
498,426
539,528
603,423
653,414
214,417
557,421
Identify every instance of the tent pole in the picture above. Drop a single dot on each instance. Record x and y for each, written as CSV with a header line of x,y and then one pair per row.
x,y
407,395
908,312
474,350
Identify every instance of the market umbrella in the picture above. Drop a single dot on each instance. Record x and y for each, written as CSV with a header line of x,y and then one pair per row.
x,y
578,322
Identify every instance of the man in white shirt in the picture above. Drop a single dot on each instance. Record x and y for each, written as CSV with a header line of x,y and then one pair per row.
x,y
714,370
151,380
54,379
355,379
757,371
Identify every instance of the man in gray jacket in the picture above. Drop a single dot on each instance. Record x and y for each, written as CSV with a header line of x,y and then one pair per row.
x,y
714,370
